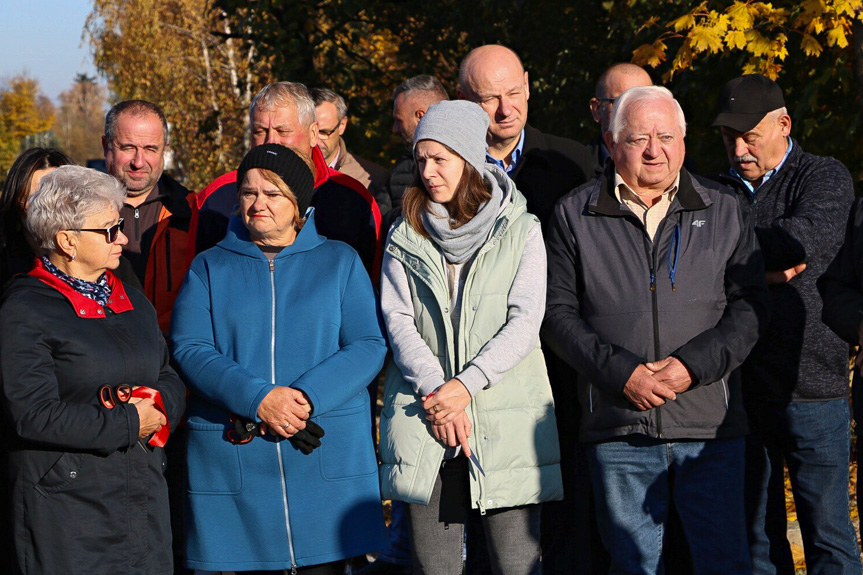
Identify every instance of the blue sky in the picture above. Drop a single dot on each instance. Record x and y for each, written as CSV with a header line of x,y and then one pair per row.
x,y
43,38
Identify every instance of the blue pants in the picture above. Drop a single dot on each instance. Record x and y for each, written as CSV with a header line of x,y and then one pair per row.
x,y
634,480
813,439
399,550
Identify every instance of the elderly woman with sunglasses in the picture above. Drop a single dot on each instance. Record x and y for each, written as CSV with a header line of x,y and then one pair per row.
x,y
87,391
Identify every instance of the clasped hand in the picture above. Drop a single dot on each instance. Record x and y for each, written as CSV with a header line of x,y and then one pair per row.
x,y
284,411
654,383
150,419
445,409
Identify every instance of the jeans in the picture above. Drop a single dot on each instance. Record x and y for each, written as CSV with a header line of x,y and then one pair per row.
x,y
636,477
813,439
511,538
399,549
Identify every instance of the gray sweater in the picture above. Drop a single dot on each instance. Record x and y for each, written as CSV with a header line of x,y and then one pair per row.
x,y
526,303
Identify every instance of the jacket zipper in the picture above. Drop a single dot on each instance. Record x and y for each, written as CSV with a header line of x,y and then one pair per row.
x,y
279,443
479,478
651,258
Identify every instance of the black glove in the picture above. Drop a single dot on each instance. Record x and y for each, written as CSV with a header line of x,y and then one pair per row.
x,y
308,439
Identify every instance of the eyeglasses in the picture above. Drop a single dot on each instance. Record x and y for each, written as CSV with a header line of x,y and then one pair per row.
x,y
327,133
609,101
112,232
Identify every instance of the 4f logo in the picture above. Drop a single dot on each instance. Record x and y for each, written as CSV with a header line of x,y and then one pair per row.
x,y
699,223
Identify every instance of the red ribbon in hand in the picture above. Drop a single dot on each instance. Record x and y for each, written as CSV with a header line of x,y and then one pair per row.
x,y
161,436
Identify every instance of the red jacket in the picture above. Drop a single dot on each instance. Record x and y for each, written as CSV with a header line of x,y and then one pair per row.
x,y
171,249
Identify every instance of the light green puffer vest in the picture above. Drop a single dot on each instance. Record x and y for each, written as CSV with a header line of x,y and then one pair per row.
x,y
514,431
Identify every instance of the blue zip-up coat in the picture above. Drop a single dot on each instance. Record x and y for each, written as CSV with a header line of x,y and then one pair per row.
x,y
309,319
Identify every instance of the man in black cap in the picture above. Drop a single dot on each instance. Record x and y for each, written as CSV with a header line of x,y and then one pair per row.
x,y
795,381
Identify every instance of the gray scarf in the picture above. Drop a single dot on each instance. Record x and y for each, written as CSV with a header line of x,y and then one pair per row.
x,y
460,244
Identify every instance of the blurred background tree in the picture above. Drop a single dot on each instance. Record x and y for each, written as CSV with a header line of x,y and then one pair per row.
x,y
202,60
26,117
80,120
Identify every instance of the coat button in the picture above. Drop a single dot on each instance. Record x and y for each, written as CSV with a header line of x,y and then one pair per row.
x,y
488,502
485,437
122,297
82,312
99,311
73,474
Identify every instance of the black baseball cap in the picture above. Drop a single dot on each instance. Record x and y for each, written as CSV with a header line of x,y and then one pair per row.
x,y
745,101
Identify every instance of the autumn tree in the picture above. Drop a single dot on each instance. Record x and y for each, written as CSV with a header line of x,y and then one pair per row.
x,y
811,48
80,119
179,54
26,117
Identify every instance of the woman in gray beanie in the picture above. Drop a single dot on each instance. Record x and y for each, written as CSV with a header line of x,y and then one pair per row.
x,y
468,431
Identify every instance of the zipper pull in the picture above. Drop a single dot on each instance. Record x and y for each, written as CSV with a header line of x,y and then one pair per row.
x,y
293,569
137,214
272,266
652,281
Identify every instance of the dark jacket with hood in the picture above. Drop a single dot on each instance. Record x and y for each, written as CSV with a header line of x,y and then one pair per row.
x,y
799,215
86,496
616,299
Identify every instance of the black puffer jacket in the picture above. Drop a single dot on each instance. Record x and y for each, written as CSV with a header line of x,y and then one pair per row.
x,y
604,319
86,497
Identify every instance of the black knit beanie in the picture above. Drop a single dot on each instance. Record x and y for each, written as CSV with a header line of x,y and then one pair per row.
x,y
286,164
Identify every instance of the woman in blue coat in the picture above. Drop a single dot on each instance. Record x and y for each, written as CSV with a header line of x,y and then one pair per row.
x,y
275,331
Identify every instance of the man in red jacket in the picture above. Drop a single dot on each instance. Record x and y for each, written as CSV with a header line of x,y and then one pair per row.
x,y
158,210
284,113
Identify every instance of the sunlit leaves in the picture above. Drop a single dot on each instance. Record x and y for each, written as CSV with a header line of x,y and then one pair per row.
x,y
764,31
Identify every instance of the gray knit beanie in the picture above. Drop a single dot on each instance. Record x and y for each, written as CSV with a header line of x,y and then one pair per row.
x,y
458,124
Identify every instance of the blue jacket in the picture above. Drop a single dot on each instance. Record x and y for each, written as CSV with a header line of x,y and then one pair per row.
x,y
310,320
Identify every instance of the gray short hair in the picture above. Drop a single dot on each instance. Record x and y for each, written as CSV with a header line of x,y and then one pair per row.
x,y
423,83
321,95
284,94
66,197
638,95
133,108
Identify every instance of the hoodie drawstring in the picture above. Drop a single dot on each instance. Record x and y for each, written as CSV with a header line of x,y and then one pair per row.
x,y
674,250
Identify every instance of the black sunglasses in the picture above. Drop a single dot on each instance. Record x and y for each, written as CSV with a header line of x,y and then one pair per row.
x,y
111,232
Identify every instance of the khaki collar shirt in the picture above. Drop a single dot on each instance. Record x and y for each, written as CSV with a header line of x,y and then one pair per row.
x,y
650,216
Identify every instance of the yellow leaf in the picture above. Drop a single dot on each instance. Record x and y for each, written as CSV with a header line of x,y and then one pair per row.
x,y
703,39
778,50
810,46
741,17
736,39
836,37
813,7
757,44
817,25
719,22
682,60
684,22
650,54
840,6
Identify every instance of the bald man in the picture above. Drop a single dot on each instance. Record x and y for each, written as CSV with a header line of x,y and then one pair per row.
x,y
543,167
616,79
